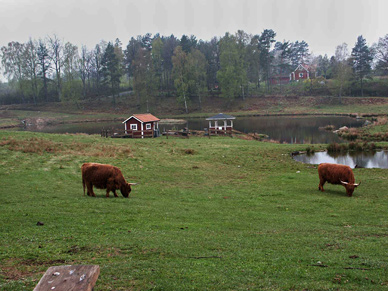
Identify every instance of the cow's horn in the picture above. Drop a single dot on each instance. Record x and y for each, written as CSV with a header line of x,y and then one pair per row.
x,y
132,183
345,183
356,185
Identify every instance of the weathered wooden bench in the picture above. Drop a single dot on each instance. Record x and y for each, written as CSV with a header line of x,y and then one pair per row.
x,y
69,278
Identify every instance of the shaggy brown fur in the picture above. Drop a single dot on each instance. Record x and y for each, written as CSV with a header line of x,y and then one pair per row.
x,y
334,174
104,177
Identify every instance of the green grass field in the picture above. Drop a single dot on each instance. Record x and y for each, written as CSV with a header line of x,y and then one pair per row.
x,y
207,214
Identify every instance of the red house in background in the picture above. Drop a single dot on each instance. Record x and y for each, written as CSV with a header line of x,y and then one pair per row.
x,y
303,72
280,79
142,125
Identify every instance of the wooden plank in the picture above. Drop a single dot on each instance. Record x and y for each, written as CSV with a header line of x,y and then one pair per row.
x,y
69,278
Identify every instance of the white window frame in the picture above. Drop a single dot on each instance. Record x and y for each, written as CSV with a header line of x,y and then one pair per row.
x,y
133,126
300,75
148,126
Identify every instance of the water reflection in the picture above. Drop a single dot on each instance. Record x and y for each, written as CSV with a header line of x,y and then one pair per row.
x,y
363,160
289,129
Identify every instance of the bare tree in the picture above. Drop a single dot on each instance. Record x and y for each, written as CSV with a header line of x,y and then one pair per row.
x,y
30,67
342,68
380,50
12,61
44,65
70,61
56,57
85,62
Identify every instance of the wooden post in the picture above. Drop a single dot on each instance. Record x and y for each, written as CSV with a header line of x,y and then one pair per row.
x,y
64,278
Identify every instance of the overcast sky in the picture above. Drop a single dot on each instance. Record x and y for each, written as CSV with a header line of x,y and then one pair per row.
x,y
323,24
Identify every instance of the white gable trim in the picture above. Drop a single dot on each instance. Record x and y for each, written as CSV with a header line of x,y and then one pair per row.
x,y
133,117
302,67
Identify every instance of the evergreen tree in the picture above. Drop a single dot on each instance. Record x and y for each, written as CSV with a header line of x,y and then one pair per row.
x,y
323,66
211,51
267,38
361,58
157,59
187,43
134,45
169,45
144,78
111,70
299,53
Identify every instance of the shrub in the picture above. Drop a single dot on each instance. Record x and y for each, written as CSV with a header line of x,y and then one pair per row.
x,y
329,127
333,148
352,146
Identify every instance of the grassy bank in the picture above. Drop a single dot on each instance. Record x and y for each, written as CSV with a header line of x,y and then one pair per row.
x,y
375,132
208,214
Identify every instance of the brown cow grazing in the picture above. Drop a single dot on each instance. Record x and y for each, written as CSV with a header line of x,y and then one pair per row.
x,y
337,174
104,177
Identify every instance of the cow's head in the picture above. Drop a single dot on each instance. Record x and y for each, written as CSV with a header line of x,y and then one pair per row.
x,y
349,187
125,189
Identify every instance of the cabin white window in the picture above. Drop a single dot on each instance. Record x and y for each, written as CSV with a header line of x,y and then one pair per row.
x,y
133,126
300,75
148,126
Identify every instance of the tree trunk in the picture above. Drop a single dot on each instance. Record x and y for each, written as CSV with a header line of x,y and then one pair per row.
x,y
184,98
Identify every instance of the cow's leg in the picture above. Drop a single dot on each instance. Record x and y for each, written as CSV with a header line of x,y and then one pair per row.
x,y
321,183
110,186
89,187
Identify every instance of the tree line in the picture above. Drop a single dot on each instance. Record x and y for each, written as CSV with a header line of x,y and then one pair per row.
x,y
150,67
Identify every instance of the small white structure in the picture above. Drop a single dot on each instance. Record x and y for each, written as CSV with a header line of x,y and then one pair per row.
x,y
221,125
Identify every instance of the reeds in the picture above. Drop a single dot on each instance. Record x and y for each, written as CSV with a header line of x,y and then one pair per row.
x,y
352,146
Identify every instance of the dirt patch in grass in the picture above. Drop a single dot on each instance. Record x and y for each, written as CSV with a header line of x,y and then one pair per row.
x,y
15,269
41,146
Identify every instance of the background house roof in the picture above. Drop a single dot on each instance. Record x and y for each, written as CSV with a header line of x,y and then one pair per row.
x,y
221,116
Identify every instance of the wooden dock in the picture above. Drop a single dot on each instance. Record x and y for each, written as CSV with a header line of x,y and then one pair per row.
x,y
69,278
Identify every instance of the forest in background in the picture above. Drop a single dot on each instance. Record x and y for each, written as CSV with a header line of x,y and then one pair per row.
x,y
151,67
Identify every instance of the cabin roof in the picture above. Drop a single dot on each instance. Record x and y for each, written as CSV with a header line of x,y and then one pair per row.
x,y
221,116
305,67
146,117
302,67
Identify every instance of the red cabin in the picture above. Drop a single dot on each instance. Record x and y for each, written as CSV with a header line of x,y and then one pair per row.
x,y
142,125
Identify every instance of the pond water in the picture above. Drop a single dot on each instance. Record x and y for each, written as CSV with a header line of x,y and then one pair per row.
x,y
290,129
378,159
285,129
